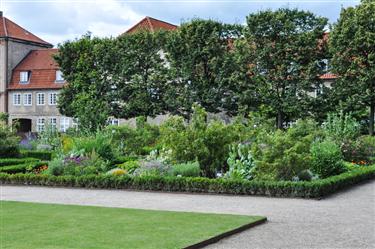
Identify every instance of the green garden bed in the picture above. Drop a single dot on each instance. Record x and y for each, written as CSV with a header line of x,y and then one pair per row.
x,y
303,189
30,225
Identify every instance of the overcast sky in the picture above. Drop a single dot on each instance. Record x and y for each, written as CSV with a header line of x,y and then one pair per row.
x,y
58,20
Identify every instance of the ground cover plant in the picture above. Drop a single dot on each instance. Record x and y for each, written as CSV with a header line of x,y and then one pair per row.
x,y
99,227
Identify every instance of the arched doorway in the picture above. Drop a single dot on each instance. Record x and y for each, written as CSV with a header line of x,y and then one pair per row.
x,y
23,125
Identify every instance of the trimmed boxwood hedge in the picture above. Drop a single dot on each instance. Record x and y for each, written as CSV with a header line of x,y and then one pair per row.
x,y
21,168
15,161
314,189
42,155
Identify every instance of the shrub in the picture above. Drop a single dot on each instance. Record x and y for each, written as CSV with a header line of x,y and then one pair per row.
x,y
123,159
152,168
77,165
135,141
49,138
15,161
306,175
42,155
8,142
191,169
56,167
21,168
241,163
282,155
129,166
100,142
326,159
200,140
341,127
360,151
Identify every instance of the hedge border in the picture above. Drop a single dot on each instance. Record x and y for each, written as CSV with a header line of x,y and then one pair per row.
x,y
39,154
21,168
315,189
15,161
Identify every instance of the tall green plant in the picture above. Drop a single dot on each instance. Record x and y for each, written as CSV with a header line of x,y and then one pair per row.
x,y
282,155
341,127
8,142
200,140
326,159
241,163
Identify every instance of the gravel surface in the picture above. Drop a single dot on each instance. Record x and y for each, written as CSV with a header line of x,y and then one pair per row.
x,y
343,220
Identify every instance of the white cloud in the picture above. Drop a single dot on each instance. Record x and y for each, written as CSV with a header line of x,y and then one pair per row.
x,y
60,21
68,19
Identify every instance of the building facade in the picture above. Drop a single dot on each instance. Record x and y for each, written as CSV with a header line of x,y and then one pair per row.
x,y
30,79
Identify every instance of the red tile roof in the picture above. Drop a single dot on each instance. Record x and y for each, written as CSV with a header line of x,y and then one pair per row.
x,y
43,71
328,76
151,24
12,30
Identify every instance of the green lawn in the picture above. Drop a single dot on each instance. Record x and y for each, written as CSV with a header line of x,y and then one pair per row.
x,y
49,226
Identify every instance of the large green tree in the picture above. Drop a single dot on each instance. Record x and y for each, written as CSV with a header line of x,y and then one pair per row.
x,y
140,75
352,44
123,77
87,95
283,51
201,62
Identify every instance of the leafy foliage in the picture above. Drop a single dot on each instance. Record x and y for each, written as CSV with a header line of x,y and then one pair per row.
x,y
241,163
360,151
352,45
81,62
341,127
100,143
284,154
283,53
135,141
314,189
200,140
8,142
190,169
201,65
326,159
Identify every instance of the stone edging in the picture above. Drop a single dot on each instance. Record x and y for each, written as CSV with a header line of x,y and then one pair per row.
x,y
216,238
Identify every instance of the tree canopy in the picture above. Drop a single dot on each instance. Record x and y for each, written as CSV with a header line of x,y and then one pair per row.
x,y
201,62
271,65
352,44
283,51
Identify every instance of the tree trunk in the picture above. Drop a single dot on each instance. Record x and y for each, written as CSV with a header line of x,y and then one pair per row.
x,y
371,117
280,120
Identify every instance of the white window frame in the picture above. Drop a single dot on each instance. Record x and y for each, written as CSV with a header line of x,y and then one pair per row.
x,y
326,65
27,99
40,124
114,121
52,98
25,77
53,123
59,77
16,99
64,124
38,102
319,90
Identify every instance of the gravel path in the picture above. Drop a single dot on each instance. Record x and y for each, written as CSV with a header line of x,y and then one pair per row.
x,y
344,220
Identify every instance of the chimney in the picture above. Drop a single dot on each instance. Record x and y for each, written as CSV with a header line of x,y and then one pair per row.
x,y
1,13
